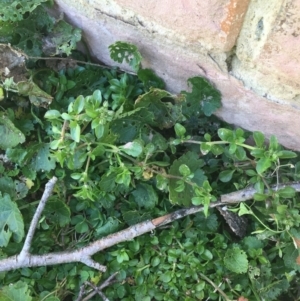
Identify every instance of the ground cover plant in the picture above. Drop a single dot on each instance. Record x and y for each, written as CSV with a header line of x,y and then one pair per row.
x,y
114,189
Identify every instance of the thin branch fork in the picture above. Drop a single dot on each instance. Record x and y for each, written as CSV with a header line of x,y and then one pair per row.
x,y
84,254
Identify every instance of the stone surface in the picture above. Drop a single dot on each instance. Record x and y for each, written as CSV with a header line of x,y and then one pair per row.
x,y
268,50
181,39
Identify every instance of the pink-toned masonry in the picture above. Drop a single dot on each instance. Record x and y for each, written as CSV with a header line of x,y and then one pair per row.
x,y
249,49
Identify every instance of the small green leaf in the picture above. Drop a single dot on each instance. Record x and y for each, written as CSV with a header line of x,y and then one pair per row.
x,y
66,116
232,148
132,148
55,144
78,104
225,134
207,255
251,173
184,170
259,138
258,153
244,210
273,143
285,154
260,196
226,175
82,227
161,182
217,149
166,277
179,130
52,114
207,137
75,131
287,192
97,96
281,209
99,131
196,200
263,164
240,153
205,148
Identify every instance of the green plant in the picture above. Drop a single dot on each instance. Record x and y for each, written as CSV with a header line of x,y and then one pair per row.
x,y
114,156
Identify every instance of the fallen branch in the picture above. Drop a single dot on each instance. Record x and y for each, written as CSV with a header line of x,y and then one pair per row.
x,y
84,254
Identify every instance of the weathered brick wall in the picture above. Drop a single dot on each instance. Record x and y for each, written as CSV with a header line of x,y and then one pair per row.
x,y
250,49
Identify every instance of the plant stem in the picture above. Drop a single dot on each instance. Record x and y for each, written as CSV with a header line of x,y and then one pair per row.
x,y
215,286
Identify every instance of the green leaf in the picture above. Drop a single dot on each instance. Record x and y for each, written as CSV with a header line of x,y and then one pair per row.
x,y
291,257
184,170
10,135
244,210
121,51
78,104
15,11
52,114
97,96
99,131
192,161
226,135
15,292
132,148
263,164
226,175
287,192
11,221
179,130
273,143
285,154
57,212
129,125
207,255
42,159
260,196
252,242
64,38
205,148
259,138
75,131
166,277
145,196
164,106
236,261
240,153
7,186
150,79
204,98
109,227
281,209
